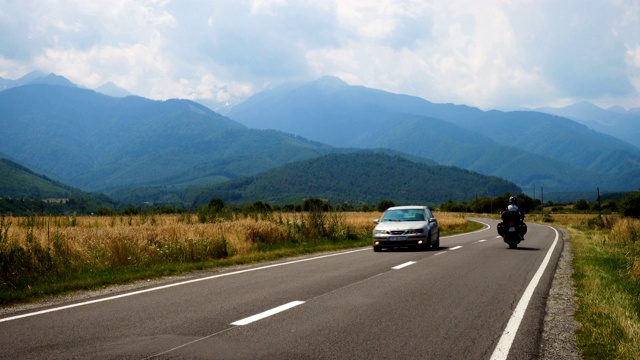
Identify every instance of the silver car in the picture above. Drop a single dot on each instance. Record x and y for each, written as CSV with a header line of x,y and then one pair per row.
x,y
406,226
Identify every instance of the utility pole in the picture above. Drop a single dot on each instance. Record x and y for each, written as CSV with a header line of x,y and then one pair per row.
x,y
599,213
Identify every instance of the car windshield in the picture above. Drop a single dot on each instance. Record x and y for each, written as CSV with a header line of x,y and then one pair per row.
x,y
404,215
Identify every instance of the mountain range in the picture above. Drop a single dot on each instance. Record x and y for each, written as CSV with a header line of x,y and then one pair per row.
x,y
97,142
615,121
529,148
38,77
135,148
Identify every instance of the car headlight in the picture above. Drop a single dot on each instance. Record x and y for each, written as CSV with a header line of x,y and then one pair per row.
x,y
380,232
414,231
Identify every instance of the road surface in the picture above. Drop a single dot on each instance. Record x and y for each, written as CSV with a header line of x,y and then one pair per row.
x,y
472,299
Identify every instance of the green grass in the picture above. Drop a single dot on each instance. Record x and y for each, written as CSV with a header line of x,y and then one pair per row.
x,y
469,226
608,296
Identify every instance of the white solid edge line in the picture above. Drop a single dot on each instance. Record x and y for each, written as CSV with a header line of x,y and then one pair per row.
x,y
267,313
172,285
398,267
504,345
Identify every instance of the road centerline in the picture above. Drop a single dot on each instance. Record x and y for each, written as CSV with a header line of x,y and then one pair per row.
x,y
265,314
398,267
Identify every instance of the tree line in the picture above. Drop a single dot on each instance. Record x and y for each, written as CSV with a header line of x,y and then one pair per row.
x,y
627,205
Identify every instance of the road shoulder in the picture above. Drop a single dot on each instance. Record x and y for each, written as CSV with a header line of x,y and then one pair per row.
x,y
558,337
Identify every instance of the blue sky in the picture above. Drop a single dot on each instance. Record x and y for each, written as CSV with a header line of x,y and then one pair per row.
x,y
488,54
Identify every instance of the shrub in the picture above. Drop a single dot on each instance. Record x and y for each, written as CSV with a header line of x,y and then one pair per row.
x,y
581,205
596,222
383,205
315,204
630,205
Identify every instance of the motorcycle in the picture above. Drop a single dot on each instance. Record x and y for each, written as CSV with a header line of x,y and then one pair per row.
x,y
512,228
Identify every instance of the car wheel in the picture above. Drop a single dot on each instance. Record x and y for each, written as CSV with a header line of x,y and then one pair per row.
x,y
377,249
436,244
428,245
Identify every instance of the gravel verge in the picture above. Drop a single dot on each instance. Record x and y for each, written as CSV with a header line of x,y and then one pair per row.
x,y
558,337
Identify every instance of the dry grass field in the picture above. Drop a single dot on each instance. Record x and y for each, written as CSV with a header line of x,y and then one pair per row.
x,y
138,237
36,248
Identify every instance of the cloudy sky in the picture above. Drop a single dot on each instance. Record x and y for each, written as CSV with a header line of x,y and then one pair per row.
x,y
484,53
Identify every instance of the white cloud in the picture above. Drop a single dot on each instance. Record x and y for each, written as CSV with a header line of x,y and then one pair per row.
x,y
487,53
466,55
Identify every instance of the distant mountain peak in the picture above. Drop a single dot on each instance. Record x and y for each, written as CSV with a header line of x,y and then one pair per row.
x,y
38,77
329,83
112,89
32,76
53,79
584,105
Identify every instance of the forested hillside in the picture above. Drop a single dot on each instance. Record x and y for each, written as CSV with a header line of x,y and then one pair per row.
x,y
356,178
23,191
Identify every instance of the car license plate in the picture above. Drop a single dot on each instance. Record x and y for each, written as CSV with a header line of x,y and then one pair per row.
x,y
397,238
512,229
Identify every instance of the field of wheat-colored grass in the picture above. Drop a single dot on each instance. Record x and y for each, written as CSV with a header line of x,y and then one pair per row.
x,y
32,247
86,235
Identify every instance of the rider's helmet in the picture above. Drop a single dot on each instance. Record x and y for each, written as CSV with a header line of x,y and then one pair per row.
x,y
513,200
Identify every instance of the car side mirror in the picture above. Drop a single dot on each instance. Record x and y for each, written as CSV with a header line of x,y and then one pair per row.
x,y
432,220
376,221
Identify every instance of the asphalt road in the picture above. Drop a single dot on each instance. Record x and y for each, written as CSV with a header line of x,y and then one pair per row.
x,y
472,299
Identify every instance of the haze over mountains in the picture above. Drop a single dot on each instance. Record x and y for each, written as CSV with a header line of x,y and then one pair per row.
x,y
119,144
615,121
528,148
139,150
97,142
38,77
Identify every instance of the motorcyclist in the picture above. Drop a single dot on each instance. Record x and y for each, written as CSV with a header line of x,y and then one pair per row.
x,y
514,208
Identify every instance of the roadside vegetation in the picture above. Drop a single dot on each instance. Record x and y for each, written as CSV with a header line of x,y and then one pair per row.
x,y
606,263
47,255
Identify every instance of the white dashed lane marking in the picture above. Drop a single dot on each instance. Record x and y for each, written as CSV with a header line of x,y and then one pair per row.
x,y
403,265
267,313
